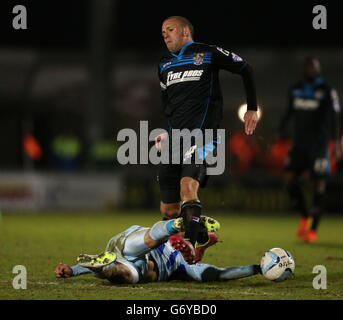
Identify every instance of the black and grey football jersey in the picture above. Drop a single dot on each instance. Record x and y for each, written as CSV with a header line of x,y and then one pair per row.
x,y
314,108
189,81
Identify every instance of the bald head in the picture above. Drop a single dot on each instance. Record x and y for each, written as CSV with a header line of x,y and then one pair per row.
x,y
184,22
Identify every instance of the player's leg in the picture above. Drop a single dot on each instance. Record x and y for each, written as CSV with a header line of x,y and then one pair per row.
x,y
169,183
321,170
144,240
193,177
318,201
298,161
170,210
207,272
191,208
297,200
317,210
170,188
295,192
168,178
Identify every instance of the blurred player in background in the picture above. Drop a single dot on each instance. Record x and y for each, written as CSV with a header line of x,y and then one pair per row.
x,y
143,255
192,99
314,107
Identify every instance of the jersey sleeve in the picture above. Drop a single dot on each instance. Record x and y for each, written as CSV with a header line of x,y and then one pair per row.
x,y
163,88
224,59
78,270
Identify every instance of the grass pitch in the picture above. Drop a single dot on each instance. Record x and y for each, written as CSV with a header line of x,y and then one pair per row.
x,y
40,241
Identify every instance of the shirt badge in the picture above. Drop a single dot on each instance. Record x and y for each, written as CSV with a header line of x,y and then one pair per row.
x,y
198,58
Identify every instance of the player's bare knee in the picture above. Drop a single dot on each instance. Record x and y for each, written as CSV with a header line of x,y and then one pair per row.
x,y
170,210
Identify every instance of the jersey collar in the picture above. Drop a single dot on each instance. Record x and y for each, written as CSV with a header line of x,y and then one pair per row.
x,y
182,49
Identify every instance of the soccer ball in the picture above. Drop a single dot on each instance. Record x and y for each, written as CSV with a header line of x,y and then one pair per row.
x,y
277,264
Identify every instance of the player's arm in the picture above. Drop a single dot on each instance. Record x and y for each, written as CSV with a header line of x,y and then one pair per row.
x,y
65,271
163,87
206,272
335,107
229,61
163,136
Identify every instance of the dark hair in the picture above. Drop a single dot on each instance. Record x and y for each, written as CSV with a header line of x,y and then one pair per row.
x,y
184,21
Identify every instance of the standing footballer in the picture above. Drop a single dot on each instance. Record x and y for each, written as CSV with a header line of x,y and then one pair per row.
x,y
314,107
192,99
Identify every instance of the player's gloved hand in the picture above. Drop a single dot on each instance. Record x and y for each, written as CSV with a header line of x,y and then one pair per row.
x,y
63,271
250,120
159,139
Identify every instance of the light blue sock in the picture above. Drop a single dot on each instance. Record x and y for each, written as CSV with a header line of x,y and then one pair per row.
x,y
162,229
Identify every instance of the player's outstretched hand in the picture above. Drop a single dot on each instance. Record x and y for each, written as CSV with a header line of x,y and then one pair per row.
x,y
63,271
250,120
158,141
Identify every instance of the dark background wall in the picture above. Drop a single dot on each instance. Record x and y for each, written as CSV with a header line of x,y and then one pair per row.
x,y
88,68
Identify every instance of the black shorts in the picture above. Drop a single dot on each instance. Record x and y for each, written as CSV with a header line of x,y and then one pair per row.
x,y
301,159
170,175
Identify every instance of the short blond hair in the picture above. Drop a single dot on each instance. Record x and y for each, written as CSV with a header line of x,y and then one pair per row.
x,y
184,22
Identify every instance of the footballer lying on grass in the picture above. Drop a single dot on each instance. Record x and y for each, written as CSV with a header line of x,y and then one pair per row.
x,y
144,255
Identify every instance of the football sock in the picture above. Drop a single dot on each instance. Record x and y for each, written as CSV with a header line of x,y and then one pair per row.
x,y
191,211
162,229
297,199
202,237
135,244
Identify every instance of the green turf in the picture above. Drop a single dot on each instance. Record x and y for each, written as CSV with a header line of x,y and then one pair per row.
x,y
41,241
